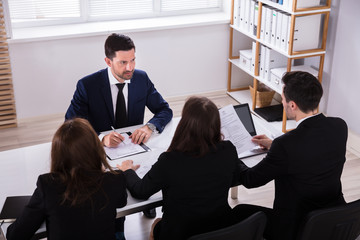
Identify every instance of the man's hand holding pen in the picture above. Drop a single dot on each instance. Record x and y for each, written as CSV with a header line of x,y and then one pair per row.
x,y
113,139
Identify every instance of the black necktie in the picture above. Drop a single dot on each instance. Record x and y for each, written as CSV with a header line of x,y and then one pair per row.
x,y
120,114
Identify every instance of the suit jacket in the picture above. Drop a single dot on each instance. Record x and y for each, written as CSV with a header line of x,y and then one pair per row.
x,y
195,190
92,101
306,164
94,219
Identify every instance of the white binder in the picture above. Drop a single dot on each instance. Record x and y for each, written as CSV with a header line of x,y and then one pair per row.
x,y
273,59
256,15
236,20
242,14
262,26
252,14
268,24
307,32
247,15
284,31
253,57
278,29
262,61
273,27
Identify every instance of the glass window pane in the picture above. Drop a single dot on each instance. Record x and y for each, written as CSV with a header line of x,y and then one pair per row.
x,y
99,8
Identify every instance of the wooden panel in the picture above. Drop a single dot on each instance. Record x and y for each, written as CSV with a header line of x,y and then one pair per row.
x,y
7,100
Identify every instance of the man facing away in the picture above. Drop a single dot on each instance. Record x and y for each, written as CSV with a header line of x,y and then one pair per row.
x,y
116,97
306,163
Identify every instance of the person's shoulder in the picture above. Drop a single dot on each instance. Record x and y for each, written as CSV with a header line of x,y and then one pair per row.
x,y
139,75
94,77
336,122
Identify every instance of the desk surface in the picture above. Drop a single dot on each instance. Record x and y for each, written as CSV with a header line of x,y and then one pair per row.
x,y
21,167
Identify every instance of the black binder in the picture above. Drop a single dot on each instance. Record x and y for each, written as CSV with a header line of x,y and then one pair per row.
x,y
13,208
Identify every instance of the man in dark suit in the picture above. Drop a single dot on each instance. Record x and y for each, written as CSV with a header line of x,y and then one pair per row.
x,y
97,97
306,163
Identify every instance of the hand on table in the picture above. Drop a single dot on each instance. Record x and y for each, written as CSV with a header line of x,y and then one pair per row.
x,y
263,141
113,139
126,165
141,135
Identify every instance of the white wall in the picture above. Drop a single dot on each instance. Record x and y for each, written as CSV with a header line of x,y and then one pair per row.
x,y
342,63
179,62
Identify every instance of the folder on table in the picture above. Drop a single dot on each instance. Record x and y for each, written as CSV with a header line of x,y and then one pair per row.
x,y
13,208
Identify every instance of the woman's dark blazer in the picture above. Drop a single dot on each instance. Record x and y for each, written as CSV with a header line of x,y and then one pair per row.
x,y
95,219
195,190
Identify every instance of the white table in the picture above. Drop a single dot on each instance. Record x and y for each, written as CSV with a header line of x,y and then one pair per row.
x,y
20,168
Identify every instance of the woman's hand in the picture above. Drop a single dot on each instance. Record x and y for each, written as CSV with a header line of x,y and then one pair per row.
x,y
126,165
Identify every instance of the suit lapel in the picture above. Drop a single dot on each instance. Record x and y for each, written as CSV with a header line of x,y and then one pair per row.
x,y
106,93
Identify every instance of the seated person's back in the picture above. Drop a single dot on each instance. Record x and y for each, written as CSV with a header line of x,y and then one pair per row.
x,y
194,174
77,199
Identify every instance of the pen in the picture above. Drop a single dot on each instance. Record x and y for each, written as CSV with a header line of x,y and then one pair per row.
x,y
116,132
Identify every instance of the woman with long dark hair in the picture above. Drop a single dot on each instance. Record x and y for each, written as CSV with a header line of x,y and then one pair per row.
x,y
194,175
79,197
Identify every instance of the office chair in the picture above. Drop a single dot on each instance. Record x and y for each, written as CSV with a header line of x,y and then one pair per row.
x,y
252,228
336,223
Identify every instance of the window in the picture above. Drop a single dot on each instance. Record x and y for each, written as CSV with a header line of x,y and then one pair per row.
x,y
29,13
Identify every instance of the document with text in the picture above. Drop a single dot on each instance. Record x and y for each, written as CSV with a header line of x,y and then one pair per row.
x,y
125,148
233,130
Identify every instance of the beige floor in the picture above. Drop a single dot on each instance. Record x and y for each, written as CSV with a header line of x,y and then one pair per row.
x,y
40,130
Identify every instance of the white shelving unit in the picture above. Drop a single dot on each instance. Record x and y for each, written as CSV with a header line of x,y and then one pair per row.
x,y
317,15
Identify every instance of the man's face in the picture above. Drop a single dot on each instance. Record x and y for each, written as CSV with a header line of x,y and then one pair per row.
x,y
122,65
287,107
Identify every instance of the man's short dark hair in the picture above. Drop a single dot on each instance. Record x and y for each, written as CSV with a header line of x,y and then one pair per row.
x,y
303,88
117,42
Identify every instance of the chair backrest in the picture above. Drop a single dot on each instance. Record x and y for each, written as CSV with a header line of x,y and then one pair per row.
x,y
337,223
252,228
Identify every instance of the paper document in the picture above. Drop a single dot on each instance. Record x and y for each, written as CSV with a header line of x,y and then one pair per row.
x,y
233,130
125,148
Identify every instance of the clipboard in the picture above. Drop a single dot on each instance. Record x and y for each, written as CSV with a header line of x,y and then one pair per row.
x,y
13,208
126,148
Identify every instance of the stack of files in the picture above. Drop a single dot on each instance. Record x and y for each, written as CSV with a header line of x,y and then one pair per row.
x,y
246,15
288,4
269,59
275,30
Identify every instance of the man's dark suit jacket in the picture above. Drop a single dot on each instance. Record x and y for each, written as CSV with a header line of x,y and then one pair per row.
x,y
92,101
94,219
306,164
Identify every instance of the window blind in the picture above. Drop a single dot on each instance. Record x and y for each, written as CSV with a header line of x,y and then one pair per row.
x,y
176,5
29,13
